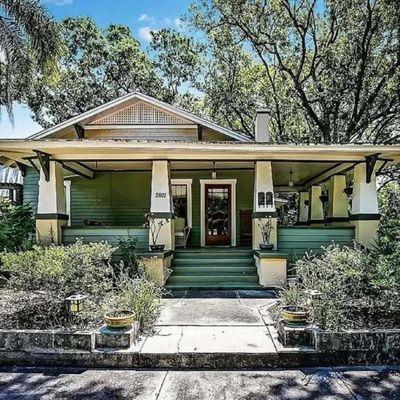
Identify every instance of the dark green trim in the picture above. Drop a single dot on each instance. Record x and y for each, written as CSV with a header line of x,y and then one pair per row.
x,y
337,219
154,254
270,254
163,215
265,214
365,217
316,221
63,217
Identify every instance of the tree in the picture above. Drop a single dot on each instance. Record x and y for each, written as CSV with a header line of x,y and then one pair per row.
x,y
177,57
333,64
28,34
99,65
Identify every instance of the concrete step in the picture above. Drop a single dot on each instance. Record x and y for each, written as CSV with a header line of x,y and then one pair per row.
x,y
203,279
220,269
213,261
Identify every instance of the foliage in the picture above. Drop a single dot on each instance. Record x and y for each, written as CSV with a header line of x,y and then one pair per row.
x,y
41,279
16,225
98,66
356,287
266,228
389,225
177,57
331,68
127,249
28,34
154,225
142,297
67,270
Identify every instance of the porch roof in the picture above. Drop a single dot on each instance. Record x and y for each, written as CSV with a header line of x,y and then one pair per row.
x,y
20,149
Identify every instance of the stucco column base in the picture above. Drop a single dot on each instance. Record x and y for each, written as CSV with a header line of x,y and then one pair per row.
x,y
271,271
49,230
157,268
257,236
167,234
366,232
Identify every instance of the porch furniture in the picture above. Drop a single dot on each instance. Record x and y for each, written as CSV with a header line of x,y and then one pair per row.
x,y
181,232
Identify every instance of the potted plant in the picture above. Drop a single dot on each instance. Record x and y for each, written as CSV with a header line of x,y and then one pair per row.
x,y
119,319
154,227
295,314
266,230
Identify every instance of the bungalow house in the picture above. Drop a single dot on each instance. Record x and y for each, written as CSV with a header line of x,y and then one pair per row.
x,y
94,177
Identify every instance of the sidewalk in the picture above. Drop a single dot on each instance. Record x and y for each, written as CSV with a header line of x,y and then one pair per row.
x,y
214,322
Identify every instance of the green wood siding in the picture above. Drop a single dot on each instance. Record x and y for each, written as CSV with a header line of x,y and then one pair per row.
x,y
117,198
298,240
31,188
110,234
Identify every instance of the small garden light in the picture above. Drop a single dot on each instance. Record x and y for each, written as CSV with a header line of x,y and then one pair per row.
x,y
313,297
75,303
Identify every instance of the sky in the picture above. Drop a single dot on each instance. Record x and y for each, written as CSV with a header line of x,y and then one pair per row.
x,y
140,15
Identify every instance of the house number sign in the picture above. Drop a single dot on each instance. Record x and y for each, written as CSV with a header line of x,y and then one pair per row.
x,y
161,195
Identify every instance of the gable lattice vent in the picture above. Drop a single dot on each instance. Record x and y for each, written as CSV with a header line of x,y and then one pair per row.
x,y
143,114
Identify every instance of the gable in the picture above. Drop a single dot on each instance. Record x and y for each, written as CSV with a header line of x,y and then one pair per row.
x,y
141,113
136,116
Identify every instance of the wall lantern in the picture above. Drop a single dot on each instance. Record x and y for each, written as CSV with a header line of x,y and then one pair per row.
x,y
214,172
324,197
348,191
75,303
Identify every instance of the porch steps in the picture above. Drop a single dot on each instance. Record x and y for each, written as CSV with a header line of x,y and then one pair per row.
x,y
213,269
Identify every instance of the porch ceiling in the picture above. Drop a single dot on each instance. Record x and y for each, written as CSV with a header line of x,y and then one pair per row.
x,y
303,172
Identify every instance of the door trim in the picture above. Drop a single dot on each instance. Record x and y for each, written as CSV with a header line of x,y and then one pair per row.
x,y
203,183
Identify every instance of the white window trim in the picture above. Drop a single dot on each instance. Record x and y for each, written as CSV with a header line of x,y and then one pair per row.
x,y
188,183
67,188
232,183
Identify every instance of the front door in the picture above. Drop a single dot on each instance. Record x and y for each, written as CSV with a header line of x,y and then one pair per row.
x,y
218,215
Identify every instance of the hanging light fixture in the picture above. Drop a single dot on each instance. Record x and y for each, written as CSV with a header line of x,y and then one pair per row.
x,y
214,172
291,183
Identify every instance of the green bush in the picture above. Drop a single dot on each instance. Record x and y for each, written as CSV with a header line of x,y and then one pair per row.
x,y
78,268
359,288
17,226
41,279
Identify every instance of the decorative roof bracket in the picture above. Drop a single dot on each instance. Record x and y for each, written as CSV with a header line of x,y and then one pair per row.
x,y
370,166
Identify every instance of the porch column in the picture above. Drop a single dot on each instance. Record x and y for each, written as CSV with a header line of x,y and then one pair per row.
x,y
364,211
337,202
316,206
304,202
161,204
264,203
51,212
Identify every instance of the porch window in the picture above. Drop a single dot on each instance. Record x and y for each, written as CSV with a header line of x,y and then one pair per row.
x,y
179,198
181,190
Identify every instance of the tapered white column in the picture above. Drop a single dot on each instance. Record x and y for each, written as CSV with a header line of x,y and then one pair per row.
x,y
264,203
337,204
316,206
364,211
304,202
51,212
161,205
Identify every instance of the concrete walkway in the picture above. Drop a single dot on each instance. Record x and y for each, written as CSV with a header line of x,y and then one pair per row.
x,y
321,383
214,322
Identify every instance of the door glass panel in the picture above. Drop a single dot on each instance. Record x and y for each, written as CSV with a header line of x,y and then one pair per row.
x,y
217,211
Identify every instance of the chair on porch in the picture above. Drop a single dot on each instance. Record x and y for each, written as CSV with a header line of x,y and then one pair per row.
x,y
181,232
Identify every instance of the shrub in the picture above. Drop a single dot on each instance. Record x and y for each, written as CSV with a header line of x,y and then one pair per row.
x,y
17,226
77,268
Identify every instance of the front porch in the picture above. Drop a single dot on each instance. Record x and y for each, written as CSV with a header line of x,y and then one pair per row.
x,y
222,203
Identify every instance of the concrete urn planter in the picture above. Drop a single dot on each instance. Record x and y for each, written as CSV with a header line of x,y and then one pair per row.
x,y
295,314
120,319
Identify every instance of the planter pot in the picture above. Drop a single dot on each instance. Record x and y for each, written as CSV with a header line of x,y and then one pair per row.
x,y
266,246
157,247
295,314
121,319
